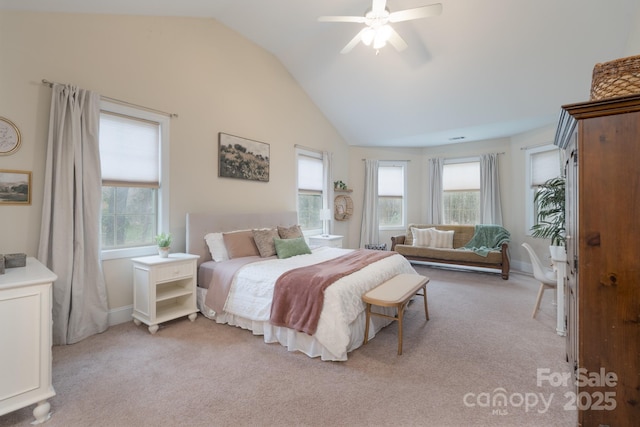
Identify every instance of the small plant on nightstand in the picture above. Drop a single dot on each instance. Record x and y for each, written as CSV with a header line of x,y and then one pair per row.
x,y
164,242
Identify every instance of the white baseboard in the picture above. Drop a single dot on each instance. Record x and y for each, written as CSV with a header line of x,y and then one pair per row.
x,y
522,267
120,315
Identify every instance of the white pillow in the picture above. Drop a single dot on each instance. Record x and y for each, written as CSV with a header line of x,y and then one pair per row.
x,y
421,236
218,250
441,239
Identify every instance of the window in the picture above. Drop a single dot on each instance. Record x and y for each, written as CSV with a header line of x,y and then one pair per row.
x,y
135,185
391,194
310,191
543,163
461,192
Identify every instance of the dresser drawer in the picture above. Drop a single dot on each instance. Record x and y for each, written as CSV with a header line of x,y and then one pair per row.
x,y
174,271
331,241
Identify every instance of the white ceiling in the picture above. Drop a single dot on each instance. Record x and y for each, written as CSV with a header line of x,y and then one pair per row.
x,y
483,69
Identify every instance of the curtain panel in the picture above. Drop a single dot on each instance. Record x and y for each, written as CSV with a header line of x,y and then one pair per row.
x,y
327,168
369,230
490,204
434,192
70,229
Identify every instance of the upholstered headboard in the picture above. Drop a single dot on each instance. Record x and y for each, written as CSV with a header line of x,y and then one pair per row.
x,y
199,224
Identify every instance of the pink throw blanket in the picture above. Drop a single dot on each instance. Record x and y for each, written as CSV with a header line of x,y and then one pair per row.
x,y
298,295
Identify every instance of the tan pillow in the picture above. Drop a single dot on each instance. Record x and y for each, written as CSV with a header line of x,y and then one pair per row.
x,y
264,239
292,232
441,239
240,244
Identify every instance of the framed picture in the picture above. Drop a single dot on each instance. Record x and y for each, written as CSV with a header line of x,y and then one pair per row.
x,y
242,158
9,137
15,187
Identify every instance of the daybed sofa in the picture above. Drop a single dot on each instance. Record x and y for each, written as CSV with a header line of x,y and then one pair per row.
x,y
462,235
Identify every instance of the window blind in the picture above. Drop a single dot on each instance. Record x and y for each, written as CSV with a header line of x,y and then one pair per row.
x,y
129,151
309,173
461,176
544,166
390,181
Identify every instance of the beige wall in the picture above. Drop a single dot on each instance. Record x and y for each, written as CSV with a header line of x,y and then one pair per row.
x,y
633,44
512,184
215,80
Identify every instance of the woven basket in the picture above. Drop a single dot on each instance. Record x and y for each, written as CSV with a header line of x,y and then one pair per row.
x,y
616,78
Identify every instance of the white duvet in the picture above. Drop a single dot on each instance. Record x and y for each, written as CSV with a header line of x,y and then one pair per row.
x,y
251,294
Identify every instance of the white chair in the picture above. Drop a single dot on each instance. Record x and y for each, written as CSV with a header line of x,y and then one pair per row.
x,y
545,275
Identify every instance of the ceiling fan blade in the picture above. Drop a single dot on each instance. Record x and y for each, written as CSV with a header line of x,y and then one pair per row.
x,y
397,41
417,13
354,41
378,6
357,19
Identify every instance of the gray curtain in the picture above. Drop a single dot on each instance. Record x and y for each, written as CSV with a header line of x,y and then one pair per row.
x,y
70,229
434,192
327,167
369,230
490,205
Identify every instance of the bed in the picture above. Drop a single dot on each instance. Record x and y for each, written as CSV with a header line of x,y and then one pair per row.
x,y
247,300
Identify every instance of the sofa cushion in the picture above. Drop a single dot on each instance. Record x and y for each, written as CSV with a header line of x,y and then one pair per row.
x,y
421,236
457,255
441,238
462,233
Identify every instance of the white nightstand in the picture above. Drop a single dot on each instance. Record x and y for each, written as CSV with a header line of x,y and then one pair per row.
x,y
164,289
331,240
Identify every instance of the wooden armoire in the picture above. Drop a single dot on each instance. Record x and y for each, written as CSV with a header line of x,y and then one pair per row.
x,y
601,143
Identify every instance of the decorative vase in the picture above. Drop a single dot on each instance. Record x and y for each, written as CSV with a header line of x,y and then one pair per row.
x,y
163,252
558,253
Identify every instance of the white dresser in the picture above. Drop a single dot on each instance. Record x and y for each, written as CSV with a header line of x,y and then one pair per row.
x,y
25,339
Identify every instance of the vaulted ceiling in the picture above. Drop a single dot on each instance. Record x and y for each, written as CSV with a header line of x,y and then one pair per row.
x,y
482,69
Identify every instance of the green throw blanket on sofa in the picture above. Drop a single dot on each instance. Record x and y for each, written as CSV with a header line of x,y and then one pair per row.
x,y
487,238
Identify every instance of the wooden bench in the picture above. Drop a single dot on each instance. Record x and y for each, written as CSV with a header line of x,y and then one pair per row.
x,y
395,292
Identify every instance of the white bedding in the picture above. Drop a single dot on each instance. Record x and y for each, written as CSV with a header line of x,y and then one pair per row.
x,y
342,320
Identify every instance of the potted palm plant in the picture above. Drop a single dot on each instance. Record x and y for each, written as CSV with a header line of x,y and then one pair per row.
x,y
550,203
163,241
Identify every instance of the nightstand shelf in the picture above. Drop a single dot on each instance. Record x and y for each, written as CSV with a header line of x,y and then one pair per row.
x,y
171,290
164,289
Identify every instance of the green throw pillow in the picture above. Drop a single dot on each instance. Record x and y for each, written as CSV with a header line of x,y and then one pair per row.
x,y
286,248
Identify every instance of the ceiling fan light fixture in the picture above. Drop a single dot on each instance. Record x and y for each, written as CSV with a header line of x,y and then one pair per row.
x,y
367,36
382,36
379,43
377,32
384,32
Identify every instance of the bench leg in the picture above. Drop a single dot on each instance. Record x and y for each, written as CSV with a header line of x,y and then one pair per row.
x,y
400,317
424,294
366,327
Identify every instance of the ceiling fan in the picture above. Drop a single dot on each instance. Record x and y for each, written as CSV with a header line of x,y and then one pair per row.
x,y
377,31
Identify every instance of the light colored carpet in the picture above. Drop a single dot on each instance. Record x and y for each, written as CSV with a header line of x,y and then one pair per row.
x,y
481,341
